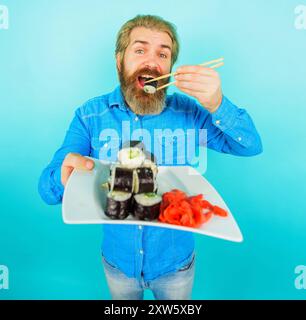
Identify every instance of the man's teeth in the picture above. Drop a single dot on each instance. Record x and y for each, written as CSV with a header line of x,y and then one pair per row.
x,y
147,77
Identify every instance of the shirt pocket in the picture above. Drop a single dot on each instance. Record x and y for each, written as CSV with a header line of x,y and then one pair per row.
x,y
108,264
189,265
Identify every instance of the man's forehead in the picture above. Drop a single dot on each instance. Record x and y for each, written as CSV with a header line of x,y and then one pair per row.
x,y
150,36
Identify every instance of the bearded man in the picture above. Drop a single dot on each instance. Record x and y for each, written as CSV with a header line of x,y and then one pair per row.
x,y
137,257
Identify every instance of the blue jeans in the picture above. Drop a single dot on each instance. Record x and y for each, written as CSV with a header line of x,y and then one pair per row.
x,y
171,286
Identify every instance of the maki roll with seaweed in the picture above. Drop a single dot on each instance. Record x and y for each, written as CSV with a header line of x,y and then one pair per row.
x,y
122,179
144,180
146,206
118,204
150,87
132,184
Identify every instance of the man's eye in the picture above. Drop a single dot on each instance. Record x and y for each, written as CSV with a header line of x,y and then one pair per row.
x,y
139,51
164,56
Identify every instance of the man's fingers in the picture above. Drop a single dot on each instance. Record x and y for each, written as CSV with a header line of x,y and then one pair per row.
x,y
197,69
74,161
193,77
78,161
65,174
192,86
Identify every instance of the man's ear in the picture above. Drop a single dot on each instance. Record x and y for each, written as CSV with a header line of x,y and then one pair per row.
x,y
118,61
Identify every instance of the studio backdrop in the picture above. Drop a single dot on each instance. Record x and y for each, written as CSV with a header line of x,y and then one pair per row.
x,y
55,55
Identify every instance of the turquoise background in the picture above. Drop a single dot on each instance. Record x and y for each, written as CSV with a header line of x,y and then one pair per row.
x,y
57,54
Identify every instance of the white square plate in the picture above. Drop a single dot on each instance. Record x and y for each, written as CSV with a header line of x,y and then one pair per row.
x,y
84,199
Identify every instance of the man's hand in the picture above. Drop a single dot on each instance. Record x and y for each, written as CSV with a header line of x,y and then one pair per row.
x,y
202,83
72,161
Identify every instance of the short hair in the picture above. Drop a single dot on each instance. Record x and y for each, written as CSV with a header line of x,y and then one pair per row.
x,y
151,22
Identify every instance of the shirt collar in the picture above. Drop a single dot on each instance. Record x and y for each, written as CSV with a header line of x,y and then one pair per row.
x,y
116,99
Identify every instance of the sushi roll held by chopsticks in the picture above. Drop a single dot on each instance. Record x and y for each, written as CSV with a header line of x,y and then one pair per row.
x,y
150,84
150,87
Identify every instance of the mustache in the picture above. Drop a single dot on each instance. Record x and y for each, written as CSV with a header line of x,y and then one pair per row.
x,y
150,72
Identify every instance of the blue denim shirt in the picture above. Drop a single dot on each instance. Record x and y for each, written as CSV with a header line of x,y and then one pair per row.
x,y
144,250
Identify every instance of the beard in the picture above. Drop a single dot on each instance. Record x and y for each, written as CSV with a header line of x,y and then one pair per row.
x,y
139,101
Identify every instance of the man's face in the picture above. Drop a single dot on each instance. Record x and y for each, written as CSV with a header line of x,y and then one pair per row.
x,y
148,53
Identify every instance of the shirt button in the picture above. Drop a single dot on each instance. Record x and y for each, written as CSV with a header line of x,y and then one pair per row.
x,y
239,138
140,227
105,145
136,119
218,122
141,251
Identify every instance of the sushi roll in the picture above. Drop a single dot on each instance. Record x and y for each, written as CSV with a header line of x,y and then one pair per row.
x,y
150,87
118,205
122,179
144,180
131,157
146,206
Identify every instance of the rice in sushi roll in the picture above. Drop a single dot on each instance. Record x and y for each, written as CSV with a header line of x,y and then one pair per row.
x,y
146,206
131,157
118,204
122,179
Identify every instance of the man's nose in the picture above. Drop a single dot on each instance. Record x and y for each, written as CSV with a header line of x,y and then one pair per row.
x,y
152,63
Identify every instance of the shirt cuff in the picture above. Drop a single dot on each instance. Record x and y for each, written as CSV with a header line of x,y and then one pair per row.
x,y
57,179
225,116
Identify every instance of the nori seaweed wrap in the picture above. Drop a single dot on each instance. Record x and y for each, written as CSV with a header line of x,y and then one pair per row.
x,y
146,206
144,180
122,179
118,205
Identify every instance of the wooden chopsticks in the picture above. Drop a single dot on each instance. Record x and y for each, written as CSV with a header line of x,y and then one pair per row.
x,y
216,64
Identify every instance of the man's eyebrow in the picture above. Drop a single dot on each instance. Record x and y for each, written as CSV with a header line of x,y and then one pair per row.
x,y
165,46
140,41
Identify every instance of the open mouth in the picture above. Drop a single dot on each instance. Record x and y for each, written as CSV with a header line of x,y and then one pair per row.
x,y
142,79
